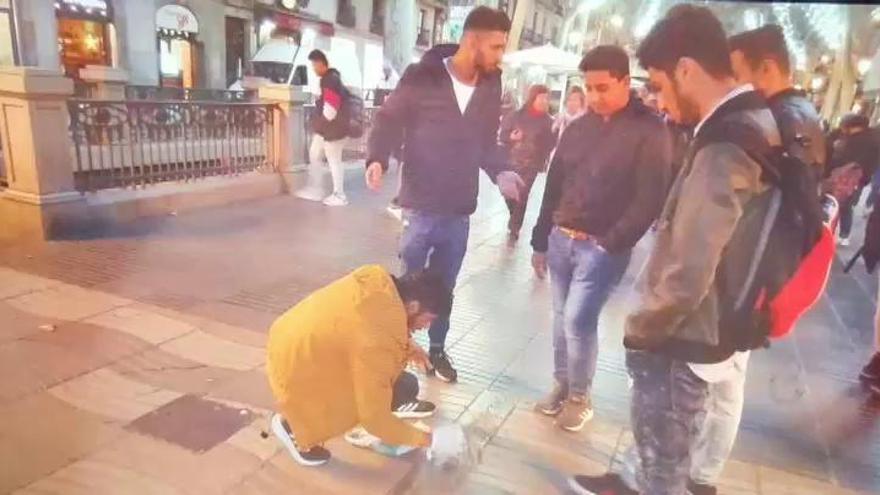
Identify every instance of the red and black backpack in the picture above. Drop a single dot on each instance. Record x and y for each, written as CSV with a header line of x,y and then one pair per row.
x,y
777,263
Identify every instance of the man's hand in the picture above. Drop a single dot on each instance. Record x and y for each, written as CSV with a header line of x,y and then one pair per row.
x,y
539,263
418,357
375,172
510,184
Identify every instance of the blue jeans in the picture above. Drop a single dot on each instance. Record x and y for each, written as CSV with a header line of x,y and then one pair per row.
x,y
582,276
437,243
669,405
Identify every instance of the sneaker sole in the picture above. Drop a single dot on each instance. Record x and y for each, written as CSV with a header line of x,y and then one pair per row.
x,y
283,437
577,488
579,427
548,412
413,414
441,377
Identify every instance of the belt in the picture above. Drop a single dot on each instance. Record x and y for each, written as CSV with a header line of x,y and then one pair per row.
x,y
577,235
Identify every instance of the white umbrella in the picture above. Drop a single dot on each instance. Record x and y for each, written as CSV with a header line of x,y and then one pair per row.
x,y
550,57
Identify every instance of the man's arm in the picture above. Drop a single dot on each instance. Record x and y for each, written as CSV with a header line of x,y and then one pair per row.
x,y
494,156
653,168
552,196
374,375
389,122
713,196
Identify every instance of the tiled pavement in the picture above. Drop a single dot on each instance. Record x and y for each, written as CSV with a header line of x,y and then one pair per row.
x,y
132,363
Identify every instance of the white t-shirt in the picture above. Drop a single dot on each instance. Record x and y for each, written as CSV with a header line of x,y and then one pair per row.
x,y
463,92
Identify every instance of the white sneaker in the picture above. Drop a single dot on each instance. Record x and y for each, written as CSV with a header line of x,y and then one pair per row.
x,y
310,194
336,199
359,437
316,456
396,212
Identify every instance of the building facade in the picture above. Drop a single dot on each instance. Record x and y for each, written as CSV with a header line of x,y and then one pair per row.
x,y
207,43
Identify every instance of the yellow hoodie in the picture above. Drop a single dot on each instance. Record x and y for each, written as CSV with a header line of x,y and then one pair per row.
x,y
333,359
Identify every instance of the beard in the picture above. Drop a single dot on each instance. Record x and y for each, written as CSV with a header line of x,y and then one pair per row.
x,y
689,111
482,65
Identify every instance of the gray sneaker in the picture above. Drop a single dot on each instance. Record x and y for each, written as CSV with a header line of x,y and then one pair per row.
x,y
576,411
552,404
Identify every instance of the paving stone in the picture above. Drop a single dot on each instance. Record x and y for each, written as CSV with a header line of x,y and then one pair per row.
x,y
193,423
214,471
66,302
41,434
149,326
15,283
91,477
251,387
249,439
167,371
109,394
18,324
207,349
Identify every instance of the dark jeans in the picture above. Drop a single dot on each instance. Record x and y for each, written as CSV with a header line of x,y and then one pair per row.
x,y
582,276
518,209
406,389
437,243
847,209
668,407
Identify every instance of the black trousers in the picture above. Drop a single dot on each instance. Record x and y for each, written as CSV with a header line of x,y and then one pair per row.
x,y
406,389
518,209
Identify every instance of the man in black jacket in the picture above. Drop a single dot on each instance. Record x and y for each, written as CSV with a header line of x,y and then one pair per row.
x,y
330,126
445,112
760,57
606,186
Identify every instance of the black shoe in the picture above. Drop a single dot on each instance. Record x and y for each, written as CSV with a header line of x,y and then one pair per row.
x,y
442,366
871,371
607,484
315,456
698,489
415,409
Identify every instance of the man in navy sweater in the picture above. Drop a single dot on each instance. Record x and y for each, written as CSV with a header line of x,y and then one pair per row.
x,y
445,112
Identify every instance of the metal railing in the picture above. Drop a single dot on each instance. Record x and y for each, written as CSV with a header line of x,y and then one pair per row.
x,y
137,143
355,148
156,93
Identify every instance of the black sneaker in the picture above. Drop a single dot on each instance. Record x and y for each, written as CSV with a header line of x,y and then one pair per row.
x,y
442,366
698,489
415,409
552,404
607,484
871,371
313,457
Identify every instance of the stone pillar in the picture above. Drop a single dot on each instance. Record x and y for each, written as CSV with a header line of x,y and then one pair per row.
x,y
108,82
289,144
40,200
138,50
37,33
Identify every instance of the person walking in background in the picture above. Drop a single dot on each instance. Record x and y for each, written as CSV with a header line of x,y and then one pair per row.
x,y
445,112
855,152
604,189
528,136
575,106
330,127
870,374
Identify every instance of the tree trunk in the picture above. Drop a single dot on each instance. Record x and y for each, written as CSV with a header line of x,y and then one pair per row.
x,y
400,33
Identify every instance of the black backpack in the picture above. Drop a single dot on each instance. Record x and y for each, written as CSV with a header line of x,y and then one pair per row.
x,y
777,263
355,115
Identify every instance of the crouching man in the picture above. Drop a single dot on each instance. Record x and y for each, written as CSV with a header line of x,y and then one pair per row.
x,y
336,360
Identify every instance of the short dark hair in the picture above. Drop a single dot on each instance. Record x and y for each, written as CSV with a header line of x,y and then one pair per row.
x,y
318,56
606,57
487,19
687,31
428,288
757,45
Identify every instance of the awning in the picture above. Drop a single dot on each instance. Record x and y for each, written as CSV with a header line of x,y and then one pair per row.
x,y
549,57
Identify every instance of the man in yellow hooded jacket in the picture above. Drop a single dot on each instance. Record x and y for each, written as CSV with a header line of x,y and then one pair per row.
x,y
335,359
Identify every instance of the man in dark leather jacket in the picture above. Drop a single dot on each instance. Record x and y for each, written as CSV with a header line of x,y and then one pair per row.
x,y
760,57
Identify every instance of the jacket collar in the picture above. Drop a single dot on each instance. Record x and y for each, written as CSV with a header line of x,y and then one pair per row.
x,y
741,102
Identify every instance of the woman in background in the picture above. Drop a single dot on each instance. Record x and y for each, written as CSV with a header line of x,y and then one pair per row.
x,y
528,136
